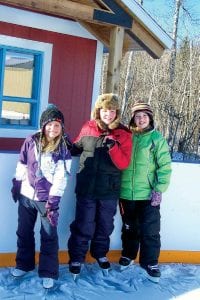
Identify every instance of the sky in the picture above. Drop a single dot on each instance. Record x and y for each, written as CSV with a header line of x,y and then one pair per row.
x,y
162,12
178,282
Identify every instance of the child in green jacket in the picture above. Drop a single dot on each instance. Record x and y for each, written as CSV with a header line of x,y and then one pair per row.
x,y
142,185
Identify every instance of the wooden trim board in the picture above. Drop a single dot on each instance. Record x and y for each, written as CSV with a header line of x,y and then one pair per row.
x,y
166,256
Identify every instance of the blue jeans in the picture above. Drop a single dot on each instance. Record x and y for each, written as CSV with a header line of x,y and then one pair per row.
x,y
48,256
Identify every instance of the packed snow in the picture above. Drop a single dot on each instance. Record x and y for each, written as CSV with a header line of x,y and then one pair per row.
x,y
178,281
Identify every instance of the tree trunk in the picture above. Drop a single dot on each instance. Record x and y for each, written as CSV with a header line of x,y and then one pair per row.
x,y
128,82
174,36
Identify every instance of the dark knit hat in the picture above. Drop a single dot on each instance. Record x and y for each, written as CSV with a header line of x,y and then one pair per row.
x,y
51,114
106,101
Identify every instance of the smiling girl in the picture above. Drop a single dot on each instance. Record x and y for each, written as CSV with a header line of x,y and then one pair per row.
x,y
105,147
143,183
39,184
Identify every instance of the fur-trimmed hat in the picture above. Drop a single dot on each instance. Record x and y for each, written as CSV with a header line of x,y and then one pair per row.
x,y
52,113
107,101
144,107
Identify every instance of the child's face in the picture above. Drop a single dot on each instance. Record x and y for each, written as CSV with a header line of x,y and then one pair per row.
x,y
141,119
52,130
107,115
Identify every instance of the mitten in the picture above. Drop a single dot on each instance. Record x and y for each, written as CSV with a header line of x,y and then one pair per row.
x,y
52,216
16,188
52,207
156,198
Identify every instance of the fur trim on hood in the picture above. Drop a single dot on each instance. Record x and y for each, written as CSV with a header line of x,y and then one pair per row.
x,y
107,101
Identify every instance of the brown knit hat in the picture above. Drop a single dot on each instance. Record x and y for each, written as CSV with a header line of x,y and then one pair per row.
x,y
141,106
106,101
144,107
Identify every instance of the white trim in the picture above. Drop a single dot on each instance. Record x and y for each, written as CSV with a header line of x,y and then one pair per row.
x,y
97,73
46,48
149,22
41,21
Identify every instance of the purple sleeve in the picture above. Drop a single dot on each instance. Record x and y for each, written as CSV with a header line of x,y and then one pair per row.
x,y
24,150
53,202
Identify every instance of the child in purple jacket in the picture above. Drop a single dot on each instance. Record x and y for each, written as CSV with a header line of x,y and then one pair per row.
x,y
39,184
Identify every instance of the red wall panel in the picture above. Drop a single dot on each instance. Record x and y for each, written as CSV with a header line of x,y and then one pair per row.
x,y
72,74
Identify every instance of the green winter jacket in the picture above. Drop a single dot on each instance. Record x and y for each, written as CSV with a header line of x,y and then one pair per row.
x,y
150,167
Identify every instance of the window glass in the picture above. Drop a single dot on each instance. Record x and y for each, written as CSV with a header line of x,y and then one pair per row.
x,y
15,113
20,79
18,74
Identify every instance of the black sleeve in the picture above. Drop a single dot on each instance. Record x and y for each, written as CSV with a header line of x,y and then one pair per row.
x,y
75,151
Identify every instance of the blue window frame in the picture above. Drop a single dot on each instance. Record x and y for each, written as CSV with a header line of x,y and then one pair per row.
x,y
20,86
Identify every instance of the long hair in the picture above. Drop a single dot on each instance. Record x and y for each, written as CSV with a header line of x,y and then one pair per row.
x,y
51,146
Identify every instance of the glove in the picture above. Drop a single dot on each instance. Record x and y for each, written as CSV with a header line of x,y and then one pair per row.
x,y
52,207
156,198
16,188
109,141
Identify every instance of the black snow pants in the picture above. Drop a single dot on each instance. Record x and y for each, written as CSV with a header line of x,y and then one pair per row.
x,y
140,231
48,256
94,223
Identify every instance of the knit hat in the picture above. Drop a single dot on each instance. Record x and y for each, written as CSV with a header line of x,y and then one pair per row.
x,y
106,101
141,106
51,114
144,107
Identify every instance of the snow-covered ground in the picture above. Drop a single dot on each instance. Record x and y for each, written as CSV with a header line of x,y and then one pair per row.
x,y
178,281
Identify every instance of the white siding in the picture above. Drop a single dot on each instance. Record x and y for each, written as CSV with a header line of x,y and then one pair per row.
x,y
180,209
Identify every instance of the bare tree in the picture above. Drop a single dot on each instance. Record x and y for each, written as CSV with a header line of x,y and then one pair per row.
x,y
173,92
174,37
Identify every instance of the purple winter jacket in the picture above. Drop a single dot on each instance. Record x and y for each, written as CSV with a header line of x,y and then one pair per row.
x,y
42,177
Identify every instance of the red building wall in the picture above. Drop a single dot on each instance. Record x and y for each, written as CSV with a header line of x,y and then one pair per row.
x,y
72,74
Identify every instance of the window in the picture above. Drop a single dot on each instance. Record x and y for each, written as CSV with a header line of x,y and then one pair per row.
x,y
25,68
20,78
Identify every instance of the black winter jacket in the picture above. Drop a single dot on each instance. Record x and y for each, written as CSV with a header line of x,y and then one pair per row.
x,y
103,155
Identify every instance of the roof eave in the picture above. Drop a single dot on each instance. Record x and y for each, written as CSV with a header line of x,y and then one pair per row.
x,y
155,29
